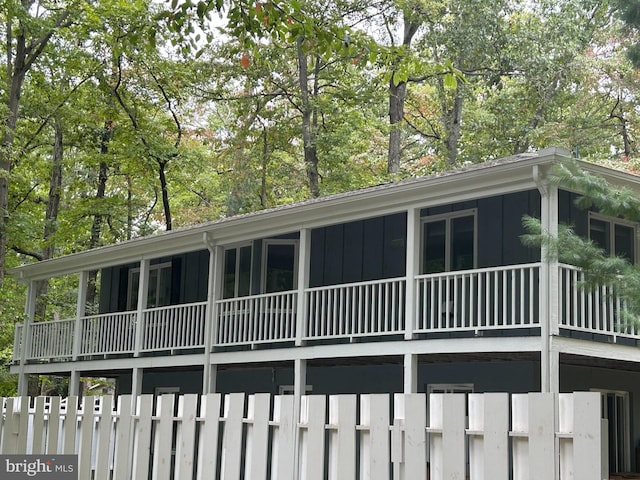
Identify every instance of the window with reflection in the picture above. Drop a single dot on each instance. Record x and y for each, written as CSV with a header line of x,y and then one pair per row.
x,y
614,236
237,272
449,242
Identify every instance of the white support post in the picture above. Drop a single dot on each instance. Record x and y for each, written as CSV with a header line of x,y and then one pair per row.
x,y
74,383
136,386
81,306
213,378
143,285
548,286
29,315
304,262
412,269
210,325
410,373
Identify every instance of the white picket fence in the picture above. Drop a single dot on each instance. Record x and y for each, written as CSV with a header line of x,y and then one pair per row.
x,y
495,436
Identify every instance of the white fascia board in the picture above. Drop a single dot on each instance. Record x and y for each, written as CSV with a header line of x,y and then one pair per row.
x,y
353,350
589,348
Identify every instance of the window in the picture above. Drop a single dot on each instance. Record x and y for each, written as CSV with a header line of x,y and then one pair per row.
x,y
279,265
615,236
159,288
449,242
237,272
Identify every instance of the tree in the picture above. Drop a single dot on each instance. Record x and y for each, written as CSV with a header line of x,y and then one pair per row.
x,y
599,266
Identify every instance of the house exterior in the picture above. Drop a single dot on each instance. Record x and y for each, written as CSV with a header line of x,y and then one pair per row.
x,y
417,286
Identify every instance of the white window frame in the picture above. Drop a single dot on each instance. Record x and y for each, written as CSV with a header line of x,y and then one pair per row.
x,y
471,212
612,221
236,247
132,303
263,267
289,390
626,421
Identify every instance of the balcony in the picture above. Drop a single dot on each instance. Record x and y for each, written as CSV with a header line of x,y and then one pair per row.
x,y
470,302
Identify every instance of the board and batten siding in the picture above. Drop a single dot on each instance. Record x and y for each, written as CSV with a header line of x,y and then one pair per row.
x,y
189,274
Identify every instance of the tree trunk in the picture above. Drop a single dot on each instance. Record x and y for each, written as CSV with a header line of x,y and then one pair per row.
x,y
98,218
165,194
397,96
51,215
15,83
308,116
453,122
18,63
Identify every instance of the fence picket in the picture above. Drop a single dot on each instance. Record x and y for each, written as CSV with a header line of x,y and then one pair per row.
x,y
116,444
70,426
313,417
282,466
411,412
232,439
37,427
103,448
186,433
209,426
143,432
161,456
342,437
53,429
122,451
257,436
86,437
374,422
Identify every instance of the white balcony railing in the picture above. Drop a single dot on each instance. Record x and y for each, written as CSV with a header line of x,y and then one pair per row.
x,y
503,298
356,310
482,299
257,319
17,342
50,340
173,328
110,333
597,310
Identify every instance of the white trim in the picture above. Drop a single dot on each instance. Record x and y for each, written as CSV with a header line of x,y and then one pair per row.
x,y
266,243
613,221
447,217
450,387
237,247
626,422
133,271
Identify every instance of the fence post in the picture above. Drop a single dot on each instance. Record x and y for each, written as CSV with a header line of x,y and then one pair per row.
x,y
374,440
409,436
311,439
342,437
447,424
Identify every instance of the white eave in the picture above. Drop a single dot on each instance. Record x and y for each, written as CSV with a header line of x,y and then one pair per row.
x,y
481,180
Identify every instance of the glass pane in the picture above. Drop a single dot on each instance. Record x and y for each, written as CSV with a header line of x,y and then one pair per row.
x,y
280,268
134,281
164,287
462,238
624,242
229,284
599,233
152,292
434,247
244,274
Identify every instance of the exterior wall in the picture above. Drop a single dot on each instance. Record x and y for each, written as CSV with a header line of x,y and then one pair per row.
x,y
570,214
358,251
189,273
583,378
509,376
499,226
